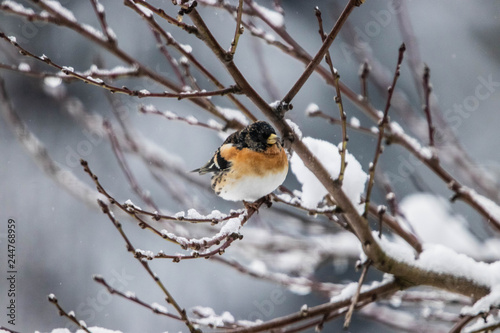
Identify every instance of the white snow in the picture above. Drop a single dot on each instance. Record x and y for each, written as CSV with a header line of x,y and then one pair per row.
x,y
232,114
483,305
433,220
276,19
52,81
349,291
311,108
313,191
131,204
258,267
159,308
483,324
17,7
355,122
63,11
147,12
443,260
24,67
68,68
193,214
397,130
186,48
490,206
295,128
210,318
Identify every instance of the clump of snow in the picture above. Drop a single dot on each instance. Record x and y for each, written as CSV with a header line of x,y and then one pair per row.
x,y
275,19
397,130
295,128
52,81
129,203
232,114
186,48
17,7
63,11
24,67
443,260
313,191
355,122
434,222
483,324
210,318
349,291
483,305
159,308
311,108
491,207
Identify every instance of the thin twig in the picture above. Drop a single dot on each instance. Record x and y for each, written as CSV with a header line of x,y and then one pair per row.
x,y
355,298
71,315
101,16
321,52
168,296
427,108
238,31
381,127
338,101
131,297
320,310
363,75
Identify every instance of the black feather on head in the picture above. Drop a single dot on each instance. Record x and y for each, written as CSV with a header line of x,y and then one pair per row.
x,y
253,136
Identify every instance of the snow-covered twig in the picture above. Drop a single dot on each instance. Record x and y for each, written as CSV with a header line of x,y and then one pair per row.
x,y
70,315
155,307
169,298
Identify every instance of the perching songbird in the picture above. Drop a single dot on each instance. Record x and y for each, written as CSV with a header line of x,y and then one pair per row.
x,y
250,164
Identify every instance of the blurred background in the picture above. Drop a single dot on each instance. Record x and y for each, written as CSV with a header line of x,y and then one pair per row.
x,y
61,241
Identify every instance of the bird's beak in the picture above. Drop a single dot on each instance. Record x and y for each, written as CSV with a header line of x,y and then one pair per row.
x,y
273,138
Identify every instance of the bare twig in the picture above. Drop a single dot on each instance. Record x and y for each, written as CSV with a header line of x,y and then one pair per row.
x,y
427,108
355,298
338,101
239,29
381,129
363,75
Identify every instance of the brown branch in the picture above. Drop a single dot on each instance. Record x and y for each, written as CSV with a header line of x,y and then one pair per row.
x,y
427,108
363,75
382,261
319,310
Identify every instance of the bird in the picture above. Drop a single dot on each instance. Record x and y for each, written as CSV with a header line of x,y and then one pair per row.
x,y
250,164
